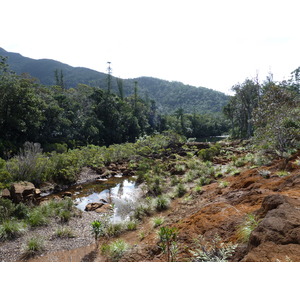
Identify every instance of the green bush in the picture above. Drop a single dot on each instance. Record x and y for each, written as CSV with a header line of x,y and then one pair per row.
x,y
33,246
212,251
161,203
11,229
38,217
210,153
115,250
245,229
64,232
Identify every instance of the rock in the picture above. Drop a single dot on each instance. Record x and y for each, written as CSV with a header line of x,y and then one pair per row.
x,y
5,194
79,187
37,192
280,226
104,208
67,194
22,191
93,206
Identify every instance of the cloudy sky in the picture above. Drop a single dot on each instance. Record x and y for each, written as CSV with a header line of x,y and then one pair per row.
x,y
211,43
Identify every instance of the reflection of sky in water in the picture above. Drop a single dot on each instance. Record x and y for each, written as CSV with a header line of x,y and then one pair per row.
x,y
122,195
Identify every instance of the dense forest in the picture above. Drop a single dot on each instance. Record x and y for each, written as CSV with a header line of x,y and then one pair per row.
x,y
267,112
169,96
60,118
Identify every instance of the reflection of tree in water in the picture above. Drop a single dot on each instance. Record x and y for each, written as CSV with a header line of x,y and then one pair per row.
x,y
121,189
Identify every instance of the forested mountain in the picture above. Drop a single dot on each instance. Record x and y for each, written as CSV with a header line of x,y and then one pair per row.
x,y
169,96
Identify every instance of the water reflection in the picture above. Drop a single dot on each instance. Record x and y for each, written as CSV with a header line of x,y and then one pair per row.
x,y
122,193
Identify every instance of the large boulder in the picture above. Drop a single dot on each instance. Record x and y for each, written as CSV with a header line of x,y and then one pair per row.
x,y
98,207
22,192
278,232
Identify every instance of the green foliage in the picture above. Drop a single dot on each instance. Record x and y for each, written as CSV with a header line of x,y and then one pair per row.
x,y
161,203
157,221
38,217
131,225
33,246
210,153
115,250
64,232
28,165
212,251
11,229
167,242
245,229
97,229
180,190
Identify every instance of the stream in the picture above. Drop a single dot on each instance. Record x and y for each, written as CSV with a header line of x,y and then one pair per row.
x,y
120,192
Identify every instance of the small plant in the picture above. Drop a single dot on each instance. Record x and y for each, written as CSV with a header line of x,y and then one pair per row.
x,y
33,246
131,225
167,242
245,229
180,190
212,251
64,232
113,229
198,189
142,235
240,162
223,184
38,217
282,173
264,173
157,221
97,229
117,249
161,203
11,229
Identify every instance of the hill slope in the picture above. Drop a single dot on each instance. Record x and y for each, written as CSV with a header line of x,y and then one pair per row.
x,y
169,96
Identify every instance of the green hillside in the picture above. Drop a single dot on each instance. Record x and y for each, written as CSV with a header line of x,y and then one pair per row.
x,y
169,96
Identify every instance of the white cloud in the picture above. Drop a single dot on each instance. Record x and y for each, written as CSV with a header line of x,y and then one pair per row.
x,y
212,43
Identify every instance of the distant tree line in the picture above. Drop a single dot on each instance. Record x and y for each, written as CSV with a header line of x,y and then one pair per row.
x,y
60,118
268,112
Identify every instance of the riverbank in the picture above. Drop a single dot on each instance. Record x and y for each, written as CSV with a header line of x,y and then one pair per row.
x,y
236,189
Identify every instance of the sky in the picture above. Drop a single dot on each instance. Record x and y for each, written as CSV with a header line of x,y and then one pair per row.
x,y
212,43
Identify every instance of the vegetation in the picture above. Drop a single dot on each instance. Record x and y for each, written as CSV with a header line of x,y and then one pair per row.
x,y
245,229
212,251
168,242
33,246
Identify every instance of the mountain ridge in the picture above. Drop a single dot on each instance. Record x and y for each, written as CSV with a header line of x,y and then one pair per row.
x,y
169,95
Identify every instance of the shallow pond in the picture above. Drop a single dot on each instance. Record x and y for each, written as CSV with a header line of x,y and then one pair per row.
x,y
121,192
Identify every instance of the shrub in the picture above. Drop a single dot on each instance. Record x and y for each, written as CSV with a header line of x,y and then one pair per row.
x,y
161,203
223,184
97,229
113,229
245,229
7,209
131,225
167,242
11,229
33,246
212,251
116,249
29,164
37,217
157,221
180,190
264,173
64,232
210,153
